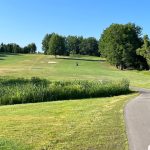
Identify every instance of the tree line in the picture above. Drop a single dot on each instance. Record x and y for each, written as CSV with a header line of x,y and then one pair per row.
x,y
55,44
15,48
121,44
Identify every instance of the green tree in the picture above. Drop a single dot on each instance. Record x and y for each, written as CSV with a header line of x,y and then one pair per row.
x,y
73,44
32,48
145,50
10,48
15,48
118,44
89,46
26,50
45,42
2,47
56,45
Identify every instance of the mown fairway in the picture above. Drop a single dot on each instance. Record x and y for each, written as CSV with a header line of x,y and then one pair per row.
x,y
96,124
65,69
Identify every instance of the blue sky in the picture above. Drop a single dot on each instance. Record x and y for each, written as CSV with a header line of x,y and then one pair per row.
x,y
26,21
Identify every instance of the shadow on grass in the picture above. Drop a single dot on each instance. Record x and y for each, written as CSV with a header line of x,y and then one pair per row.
x,y
7,54
81,59
2,55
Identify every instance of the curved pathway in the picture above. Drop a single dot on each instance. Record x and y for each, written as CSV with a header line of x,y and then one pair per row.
x,y
137,118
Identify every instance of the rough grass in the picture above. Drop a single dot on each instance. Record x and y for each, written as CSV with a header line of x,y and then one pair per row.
x,y
65,69
18,91
94,124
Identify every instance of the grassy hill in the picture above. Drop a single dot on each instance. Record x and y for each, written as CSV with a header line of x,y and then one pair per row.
x,y
96,124
90,68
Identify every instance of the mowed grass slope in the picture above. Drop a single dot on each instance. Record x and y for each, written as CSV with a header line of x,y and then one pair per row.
x,y
87,124
90,68
95,124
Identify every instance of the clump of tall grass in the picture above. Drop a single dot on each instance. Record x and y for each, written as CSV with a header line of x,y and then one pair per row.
x,y
17,91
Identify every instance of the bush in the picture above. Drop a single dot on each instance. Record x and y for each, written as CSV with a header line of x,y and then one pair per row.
x,y
18,91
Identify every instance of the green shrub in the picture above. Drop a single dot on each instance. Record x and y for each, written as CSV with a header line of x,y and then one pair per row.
x,y
17,91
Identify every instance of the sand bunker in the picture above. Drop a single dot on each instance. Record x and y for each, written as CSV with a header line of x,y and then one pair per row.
x,y
52,62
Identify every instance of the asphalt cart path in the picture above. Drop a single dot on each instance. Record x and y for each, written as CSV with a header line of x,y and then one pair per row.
x,y
137,118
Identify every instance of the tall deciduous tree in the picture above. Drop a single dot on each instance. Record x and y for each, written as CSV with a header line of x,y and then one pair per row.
x,y
45,43
145,50
32,48
73,44
56,45
2,47
89,46
118,44
15,48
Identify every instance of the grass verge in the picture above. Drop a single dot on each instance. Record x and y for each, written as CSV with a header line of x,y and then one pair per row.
x,y
84,124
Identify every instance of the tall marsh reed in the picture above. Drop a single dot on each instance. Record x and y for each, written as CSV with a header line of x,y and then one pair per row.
x,y
18,91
